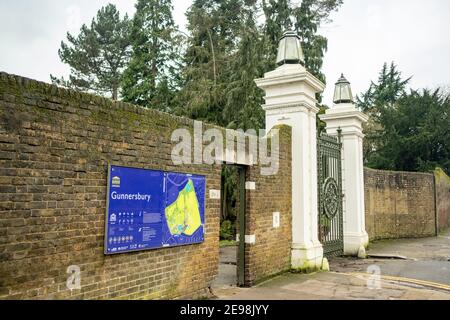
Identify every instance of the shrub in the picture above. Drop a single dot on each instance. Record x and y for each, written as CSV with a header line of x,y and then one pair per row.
x,y
226,230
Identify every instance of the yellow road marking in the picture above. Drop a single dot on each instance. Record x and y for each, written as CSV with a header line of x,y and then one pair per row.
x,y
407,280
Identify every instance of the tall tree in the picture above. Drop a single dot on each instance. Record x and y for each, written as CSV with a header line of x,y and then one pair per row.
x,y
150,79
243,98
406,131
376,101
214,27
415,135
383,94
98,55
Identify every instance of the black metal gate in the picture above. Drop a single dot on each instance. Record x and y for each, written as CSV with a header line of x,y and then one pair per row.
x,y
331,229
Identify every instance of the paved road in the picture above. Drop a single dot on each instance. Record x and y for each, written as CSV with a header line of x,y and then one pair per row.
x,y
423,272
330,286
422,259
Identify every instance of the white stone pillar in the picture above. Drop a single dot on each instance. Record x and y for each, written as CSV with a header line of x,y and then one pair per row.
x,y
291,100
346,117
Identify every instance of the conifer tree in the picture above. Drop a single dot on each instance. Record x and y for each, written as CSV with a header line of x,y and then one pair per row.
x,y
150,79
214,27
98,55
377,101
243,104
388,89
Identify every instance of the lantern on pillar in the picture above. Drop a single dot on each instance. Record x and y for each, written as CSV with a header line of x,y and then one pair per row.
x,y
290,49
343,91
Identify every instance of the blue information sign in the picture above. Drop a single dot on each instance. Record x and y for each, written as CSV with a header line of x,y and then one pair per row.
x,y
150,209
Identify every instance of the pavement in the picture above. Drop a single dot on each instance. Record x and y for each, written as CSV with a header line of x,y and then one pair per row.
x,y
408,269
227,277
426,259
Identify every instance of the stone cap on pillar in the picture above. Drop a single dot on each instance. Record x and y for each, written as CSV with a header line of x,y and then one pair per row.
x,y
344,113
349,120
290,85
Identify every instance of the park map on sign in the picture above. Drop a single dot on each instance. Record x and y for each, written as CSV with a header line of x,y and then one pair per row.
x,y
183,215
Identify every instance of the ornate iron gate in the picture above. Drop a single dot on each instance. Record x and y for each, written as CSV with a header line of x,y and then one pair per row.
x,y
331,229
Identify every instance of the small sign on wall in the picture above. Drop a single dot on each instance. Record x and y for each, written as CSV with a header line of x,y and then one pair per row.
x,y
214,194
276,219
250,239
250,185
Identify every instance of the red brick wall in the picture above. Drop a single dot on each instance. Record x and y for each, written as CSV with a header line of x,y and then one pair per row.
x,y
55,145
271,253
442,199
399,204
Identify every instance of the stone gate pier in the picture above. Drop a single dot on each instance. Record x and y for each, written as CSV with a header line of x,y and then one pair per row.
x,y
290,99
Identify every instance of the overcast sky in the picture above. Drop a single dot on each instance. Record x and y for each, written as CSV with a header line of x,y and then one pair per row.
x,y
363,35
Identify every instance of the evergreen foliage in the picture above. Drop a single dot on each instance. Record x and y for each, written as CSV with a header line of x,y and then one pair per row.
x,y
150,79
407,131
98,55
